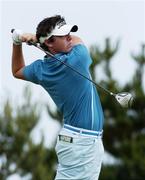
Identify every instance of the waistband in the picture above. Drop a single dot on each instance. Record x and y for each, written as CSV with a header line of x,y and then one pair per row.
x,y
84,132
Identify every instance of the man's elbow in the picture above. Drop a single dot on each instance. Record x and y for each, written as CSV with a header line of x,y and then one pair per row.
x,y
18,74
14,74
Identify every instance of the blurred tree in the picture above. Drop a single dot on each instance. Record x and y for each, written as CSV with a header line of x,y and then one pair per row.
x,y
18,153
124,131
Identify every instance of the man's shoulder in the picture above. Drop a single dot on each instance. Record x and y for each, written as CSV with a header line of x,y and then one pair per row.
x,y
32,66
80,48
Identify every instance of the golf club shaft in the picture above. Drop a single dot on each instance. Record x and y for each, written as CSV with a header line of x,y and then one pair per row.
x,y
51,55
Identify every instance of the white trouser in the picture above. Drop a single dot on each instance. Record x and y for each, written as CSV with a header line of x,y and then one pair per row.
x,y
79,157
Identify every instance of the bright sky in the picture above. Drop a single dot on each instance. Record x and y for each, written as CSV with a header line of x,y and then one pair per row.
x,y
124,20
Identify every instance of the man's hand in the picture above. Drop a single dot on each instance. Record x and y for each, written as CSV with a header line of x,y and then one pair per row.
x,y
28,37
16,34
18,37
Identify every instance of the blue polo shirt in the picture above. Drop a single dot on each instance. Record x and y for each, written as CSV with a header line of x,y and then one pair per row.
x,y
75,97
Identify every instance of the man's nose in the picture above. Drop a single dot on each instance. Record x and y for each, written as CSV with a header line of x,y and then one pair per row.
x,y
68,37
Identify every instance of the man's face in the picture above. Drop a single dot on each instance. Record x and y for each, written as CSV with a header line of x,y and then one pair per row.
x,y
61,44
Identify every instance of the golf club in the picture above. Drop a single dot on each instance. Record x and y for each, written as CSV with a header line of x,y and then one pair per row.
x,y
125,99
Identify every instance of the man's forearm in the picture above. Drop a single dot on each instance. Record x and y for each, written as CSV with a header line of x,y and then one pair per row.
x,y
17,60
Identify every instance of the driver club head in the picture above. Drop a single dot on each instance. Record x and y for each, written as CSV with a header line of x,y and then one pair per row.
x,y
125,99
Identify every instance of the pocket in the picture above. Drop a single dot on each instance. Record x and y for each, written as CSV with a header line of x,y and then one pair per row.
x,y
66,153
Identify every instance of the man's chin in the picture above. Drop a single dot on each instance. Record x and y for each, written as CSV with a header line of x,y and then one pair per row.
x,y
69,49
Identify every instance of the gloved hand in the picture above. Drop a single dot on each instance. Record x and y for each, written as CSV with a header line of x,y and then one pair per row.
x,y
16,36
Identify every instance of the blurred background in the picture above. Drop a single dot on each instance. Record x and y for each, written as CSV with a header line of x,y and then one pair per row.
x,y
114,33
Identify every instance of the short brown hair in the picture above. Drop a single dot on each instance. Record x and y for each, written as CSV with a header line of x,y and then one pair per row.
x,y
46,26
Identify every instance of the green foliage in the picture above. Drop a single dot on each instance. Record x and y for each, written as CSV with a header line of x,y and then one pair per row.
x,y
56,115
98,55
18,153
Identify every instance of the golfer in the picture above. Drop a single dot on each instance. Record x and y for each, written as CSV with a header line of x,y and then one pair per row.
x,y
79,145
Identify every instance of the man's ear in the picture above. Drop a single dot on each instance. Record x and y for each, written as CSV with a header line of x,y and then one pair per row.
x,y
47,43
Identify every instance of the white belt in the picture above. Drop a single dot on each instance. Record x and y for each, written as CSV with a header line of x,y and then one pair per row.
x,y
83,131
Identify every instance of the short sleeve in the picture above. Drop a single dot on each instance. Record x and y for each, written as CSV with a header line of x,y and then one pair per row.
x,y
32,72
